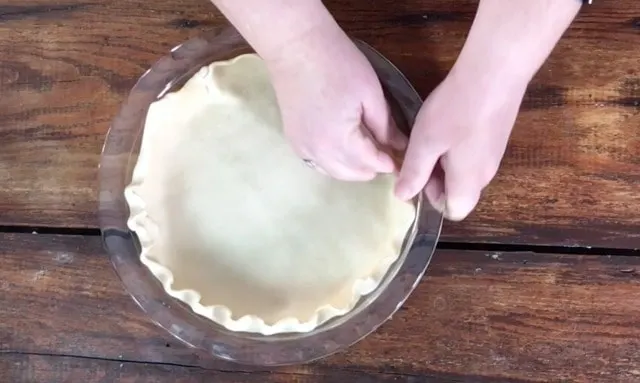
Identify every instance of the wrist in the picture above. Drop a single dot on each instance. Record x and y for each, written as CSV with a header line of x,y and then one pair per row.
x,y
510,40
311,33
272,26
493,71
492,75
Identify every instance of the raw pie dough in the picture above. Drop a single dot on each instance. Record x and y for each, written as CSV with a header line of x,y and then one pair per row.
x,y
234,224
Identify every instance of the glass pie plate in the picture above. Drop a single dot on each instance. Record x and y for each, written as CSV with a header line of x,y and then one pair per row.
x,y
119,156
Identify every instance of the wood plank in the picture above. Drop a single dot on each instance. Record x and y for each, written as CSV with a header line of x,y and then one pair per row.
x,y
66,67
475,317
27,368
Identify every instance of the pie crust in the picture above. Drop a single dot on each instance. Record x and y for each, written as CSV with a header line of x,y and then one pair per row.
x,y
235,225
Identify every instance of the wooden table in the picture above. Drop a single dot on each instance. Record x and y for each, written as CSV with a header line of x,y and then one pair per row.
x,y
541,283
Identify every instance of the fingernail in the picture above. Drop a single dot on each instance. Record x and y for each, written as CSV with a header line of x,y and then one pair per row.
x,y
457,209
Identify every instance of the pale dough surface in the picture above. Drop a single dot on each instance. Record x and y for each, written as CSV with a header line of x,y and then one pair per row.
x,y
233,223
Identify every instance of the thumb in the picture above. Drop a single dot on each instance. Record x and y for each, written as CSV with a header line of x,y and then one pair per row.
x,y
378,119
365,149
434,191
417,167
462,191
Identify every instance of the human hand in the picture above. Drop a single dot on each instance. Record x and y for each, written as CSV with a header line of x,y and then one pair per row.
x,y
462,130
458,140
332,105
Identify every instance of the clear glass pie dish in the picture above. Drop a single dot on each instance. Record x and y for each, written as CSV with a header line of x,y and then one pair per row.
x,y
119,156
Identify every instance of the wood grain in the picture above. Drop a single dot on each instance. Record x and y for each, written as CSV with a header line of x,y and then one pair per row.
x,y
477,317
569,176
56,369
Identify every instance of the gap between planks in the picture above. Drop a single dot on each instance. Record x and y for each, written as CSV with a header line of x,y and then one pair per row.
x,y
442,245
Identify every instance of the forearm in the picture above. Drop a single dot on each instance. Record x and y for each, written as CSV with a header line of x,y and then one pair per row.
x,y
512,39
270,25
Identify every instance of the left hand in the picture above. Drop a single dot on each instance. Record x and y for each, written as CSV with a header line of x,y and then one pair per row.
x,y
458,140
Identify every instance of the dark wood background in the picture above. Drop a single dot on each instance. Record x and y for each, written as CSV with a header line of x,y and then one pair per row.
x,y
564,311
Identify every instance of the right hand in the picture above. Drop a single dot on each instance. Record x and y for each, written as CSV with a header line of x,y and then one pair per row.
x,y
332,105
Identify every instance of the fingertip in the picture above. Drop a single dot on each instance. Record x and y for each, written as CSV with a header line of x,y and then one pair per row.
x,y
462,186
369,177
434,191
386,164
439,205
359,175
459,207
363,176
405,189
414,174
408,185
368,153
